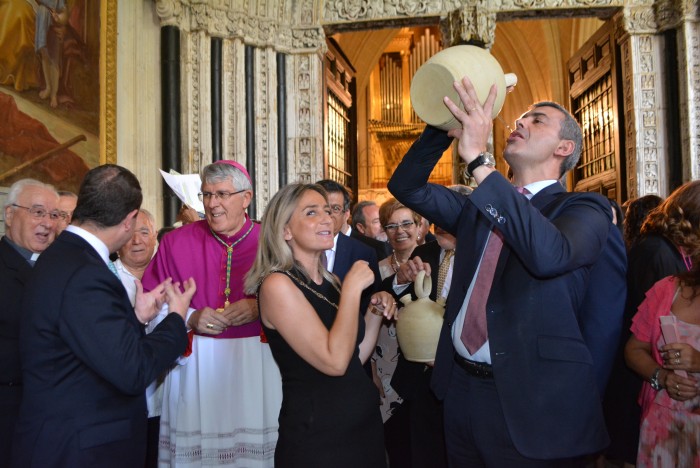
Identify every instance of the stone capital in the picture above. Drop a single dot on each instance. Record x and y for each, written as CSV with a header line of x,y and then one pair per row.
x,y
471,23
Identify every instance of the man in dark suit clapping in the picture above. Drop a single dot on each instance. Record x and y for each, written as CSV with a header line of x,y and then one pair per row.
x,y
86,360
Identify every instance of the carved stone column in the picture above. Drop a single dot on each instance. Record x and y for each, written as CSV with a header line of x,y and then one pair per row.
x,y
266,121
233,95
266,28
689,92
305,117
683,16
644,103
196,101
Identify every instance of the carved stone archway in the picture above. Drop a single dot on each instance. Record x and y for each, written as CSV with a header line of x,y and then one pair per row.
x,y
285,42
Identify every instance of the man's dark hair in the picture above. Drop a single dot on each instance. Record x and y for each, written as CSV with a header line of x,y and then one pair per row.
x,y
358,215
333,186
108,193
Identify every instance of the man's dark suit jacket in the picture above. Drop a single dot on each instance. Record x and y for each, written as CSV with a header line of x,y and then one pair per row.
x,y
14,273
543,366
382,249
86,363
347,252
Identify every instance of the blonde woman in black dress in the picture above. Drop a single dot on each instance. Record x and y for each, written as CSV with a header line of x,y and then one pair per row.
x,y
330,408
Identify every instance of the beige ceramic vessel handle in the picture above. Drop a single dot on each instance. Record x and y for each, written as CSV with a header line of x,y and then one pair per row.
x,y
422,285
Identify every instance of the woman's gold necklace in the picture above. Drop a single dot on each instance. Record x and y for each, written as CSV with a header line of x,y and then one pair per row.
x,y
395,264
318,294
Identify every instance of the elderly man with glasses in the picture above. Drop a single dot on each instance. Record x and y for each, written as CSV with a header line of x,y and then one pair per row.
x,y
221,403
30,218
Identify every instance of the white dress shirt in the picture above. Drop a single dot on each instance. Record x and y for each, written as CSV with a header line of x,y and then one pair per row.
x,y
483,354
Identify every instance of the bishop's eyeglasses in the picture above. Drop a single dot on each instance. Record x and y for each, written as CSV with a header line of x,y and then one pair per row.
x,y
219,194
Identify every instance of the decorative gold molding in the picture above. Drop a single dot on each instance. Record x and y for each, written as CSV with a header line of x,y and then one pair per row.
x,y
108,82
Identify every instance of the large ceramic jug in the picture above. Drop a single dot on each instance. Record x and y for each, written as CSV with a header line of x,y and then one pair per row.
x,y
434,80
419,322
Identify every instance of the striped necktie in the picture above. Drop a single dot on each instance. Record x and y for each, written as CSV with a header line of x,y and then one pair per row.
x,y
113,268
474,330
442,272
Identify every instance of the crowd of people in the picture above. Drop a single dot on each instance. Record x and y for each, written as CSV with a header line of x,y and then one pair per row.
x,y
571,332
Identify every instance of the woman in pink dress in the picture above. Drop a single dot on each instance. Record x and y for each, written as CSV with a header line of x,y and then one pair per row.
x,y
670,398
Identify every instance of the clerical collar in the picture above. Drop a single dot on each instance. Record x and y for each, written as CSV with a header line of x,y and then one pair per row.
x,y
28,255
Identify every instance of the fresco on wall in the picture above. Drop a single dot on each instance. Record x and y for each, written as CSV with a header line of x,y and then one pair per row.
x,y
49,90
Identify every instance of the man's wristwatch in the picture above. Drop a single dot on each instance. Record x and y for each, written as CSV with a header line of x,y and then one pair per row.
x,y
654,381
484,159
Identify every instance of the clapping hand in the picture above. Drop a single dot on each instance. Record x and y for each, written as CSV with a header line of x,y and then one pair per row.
x,y
148,304
179,301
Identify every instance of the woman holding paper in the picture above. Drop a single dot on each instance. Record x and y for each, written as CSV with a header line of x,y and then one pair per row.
x,y
664,351
659,250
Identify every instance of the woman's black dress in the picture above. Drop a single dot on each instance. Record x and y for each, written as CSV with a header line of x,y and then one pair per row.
x,y
325,421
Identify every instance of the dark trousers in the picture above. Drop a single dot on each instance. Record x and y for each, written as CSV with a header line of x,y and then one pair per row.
x,y
152,442
475,428
414,436
10,399
427,431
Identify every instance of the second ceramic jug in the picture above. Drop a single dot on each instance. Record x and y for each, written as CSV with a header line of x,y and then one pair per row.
x,y
419,322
